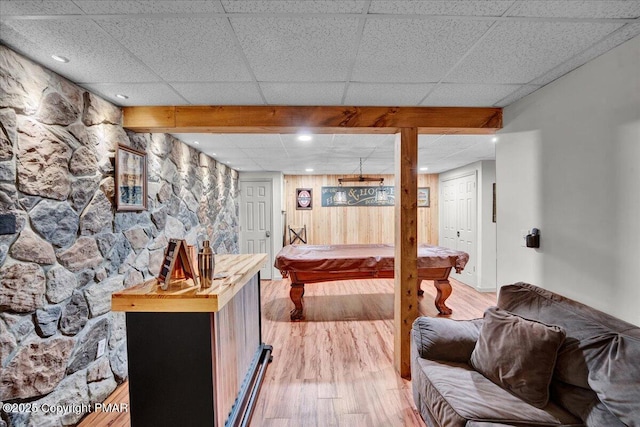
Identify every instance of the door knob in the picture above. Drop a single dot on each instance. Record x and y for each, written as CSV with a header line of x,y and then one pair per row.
x,y
268,234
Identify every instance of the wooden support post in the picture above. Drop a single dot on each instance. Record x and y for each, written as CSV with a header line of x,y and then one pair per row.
x,y
406,246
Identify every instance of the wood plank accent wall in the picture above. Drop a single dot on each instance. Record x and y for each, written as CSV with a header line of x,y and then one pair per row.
x,y
355,224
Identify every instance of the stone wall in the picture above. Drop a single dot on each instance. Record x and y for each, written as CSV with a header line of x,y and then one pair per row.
x,y
71,250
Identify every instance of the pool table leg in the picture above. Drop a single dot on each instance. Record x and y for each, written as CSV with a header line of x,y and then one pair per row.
x,y
444,290
296,293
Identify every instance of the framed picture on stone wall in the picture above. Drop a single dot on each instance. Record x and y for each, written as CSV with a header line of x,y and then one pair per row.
x,y
131,179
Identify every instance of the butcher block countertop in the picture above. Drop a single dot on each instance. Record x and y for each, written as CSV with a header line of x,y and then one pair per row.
x,y
183,296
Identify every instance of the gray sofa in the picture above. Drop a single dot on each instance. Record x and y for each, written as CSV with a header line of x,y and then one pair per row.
x,y
593,369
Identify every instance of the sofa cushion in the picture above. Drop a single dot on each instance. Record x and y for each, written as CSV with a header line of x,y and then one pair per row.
x,y
517,354
445,339
454,394
600,352
584,404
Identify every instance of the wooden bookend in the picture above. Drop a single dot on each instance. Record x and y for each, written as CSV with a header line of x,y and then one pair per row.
x,y
177,264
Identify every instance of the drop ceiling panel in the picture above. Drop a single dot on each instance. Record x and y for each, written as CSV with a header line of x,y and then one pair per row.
x,y
94,57
577,9
383,94
182,49
617,37
413,50
297,49
52,7
449,8
138,93
320,140
302,93
222,93
253,141
465,95
524,90
288,6
505,56
141,7
362,140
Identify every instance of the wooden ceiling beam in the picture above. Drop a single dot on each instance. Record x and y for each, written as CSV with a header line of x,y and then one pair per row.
x,y
320,119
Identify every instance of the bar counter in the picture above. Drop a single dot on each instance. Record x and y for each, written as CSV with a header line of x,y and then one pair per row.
x,y
196,356
183,296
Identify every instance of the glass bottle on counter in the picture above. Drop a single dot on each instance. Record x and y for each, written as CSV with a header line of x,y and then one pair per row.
x,y
206,264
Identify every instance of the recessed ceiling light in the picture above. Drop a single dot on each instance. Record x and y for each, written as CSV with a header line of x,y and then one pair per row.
x,y
424,168
494,139
309,170
196,142
304,137
212,154
121,96
59,58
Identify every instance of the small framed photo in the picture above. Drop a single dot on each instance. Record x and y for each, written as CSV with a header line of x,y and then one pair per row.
x,y
423,197
130,179
303,198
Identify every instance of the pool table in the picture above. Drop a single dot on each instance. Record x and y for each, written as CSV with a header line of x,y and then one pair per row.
x,y
324,263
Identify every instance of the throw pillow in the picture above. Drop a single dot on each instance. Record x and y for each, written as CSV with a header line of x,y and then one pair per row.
x,y
517,354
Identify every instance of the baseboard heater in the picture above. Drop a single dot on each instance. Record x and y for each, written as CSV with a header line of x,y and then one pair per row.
x,y
242,409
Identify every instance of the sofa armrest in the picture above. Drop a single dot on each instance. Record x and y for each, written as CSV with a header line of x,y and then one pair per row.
x,y
445,339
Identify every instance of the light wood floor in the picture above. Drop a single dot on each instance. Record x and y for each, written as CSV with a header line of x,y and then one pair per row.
x,y
336,367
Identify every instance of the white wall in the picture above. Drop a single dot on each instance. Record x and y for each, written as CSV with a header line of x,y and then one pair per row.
x,y
568,163
486,228
277,191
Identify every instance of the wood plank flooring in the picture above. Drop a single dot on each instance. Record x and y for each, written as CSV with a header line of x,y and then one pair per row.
x,y
336,367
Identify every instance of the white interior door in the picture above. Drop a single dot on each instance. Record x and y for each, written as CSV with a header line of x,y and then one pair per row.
x,y
459,222
255,222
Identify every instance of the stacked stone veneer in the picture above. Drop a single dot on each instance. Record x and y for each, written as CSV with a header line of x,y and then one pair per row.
x,y
71,250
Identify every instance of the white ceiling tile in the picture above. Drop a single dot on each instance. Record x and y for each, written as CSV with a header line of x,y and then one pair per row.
x,y
228,93
195,49
317,140
450,8
468,95
618,37
150,7
298,49
302,93
288,6
253,141
413,50
519,93
385,94
270,153
578,9
94,56
518,52
50,7
138,93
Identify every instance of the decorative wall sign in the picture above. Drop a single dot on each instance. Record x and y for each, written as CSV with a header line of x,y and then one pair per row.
x,y
303,198
130,179
424,194
358,196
